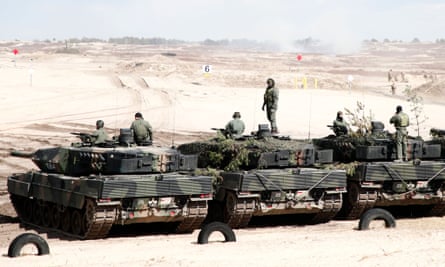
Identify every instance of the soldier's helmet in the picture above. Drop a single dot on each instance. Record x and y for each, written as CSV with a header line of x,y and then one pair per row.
x,y
236,115
100,123
398,109
270,82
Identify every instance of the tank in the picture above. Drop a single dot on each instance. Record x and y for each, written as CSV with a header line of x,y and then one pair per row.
x,y
266,175
375,179
83,190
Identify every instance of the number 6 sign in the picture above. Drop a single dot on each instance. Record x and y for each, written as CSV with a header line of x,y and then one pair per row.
x,y
207,68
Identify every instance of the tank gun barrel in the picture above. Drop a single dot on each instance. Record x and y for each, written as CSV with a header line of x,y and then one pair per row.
x,y
22,154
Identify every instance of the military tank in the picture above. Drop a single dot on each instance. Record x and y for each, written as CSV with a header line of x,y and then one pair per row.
x,y
83,190
265,175
375,179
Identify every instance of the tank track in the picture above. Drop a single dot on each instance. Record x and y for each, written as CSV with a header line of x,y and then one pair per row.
x,y
331,206
359,203
242,214
197,212
98,219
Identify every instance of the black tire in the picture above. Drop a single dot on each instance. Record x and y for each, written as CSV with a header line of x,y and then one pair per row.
x,y
373,214
27,238
207,230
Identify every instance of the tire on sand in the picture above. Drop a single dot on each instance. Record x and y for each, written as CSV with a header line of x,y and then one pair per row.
x,y
207,230
374,214
27,238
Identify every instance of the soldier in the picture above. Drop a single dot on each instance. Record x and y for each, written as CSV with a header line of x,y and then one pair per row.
x,y
400,121
100,134
340,127
235,127
142,130
271,104
393,88
390,77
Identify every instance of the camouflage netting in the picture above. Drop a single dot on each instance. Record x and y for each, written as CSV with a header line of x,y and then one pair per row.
x,y
229,154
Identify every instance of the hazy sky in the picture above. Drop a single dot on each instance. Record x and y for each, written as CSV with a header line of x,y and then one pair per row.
x,y
196,20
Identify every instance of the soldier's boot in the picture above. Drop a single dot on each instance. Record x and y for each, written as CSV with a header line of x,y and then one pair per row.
x,y
274,130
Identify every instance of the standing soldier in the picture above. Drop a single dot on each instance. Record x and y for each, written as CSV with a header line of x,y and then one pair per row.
x,y
235,127
400,121
390,77
271,104
142,131
100,134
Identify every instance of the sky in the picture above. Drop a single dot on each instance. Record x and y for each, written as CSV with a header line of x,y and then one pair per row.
x,y
337,21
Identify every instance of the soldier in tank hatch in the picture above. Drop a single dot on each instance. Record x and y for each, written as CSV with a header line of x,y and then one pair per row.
x,y
400,121
340,127
235,128
271,104
141,129
100,134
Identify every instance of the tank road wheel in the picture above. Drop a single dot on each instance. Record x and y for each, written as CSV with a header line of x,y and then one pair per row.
x,y
76,222
207,230
37,213
46,215
16,246
27,210
66,220
88,216
55,216
375,214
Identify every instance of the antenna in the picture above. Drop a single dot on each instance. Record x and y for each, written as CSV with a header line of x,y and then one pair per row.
x,y
174,119
310,115
254,108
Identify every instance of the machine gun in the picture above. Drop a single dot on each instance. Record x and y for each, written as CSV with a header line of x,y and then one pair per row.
x,y
338,130
85,138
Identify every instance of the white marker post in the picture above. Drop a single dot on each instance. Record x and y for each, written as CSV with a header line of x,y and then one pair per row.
x,y
31,71
350,79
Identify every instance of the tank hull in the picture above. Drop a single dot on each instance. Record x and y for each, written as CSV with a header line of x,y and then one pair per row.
x,y
387,184
244,195
87,207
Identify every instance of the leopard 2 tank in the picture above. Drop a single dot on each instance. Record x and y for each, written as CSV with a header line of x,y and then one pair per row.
x,y
376,179
83,190
266,175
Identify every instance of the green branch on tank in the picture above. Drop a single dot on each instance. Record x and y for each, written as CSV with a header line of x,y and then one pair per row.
x,y
416,104
348,167
357,118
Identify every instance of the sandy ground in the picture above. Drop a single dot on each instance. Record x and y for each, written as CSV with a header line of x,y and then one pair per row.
x,y
46,95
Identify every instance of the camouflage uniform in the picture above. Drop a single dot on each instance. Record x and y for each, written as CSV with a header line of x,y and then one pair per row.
x,y
141,129
100,134
400,121
340,126
271,103
235,127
